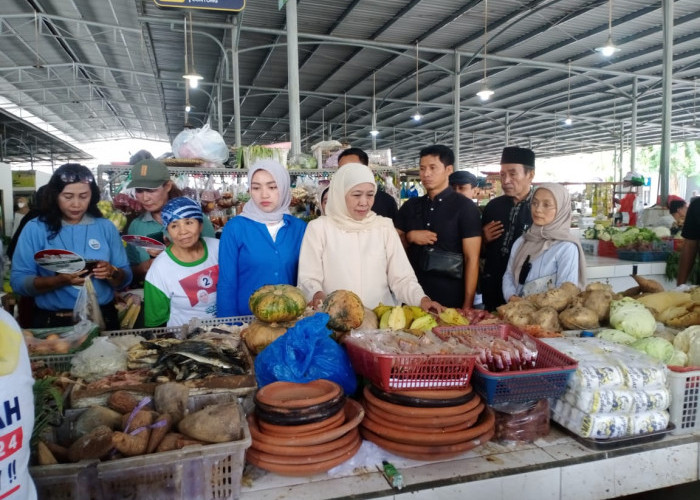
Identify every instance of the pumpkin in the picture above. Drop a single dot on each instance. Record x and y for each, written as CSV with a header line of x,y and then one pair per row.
x,y
345,310
259,334
276,303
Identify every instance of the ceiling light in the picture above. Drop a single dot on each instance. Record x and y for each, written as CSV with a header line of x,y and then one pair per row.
x,y
193,79
188,108
416,117
568,121
374,132
609,48
485,93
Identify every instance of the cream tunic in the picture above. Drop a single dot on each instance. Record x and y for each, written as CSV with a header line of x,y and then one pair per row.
x,y
372,263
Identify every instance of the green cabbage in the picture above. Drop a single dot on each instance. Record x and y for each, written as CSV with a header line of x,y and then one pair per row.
x,y
617,336
656,347
632,317
679,358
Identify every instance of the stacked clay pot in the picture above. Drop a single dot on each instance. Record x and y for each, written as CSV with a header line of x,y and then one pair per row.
x,y
426,425
303,429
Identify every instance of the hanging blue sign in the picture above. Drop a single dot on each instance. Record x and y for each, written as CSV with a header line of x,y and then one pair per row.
x,y
229,5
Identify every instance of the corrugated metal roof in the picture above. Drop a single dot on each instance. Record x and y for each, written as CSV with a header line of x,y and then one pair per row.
x,y
100,71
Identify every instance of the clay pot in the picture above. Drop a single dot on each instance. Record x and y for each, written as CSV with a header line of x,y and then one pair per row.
x,y
410,411
353,416
425,399
407,427
303,469
422,422
302,429
300,452
300,416
485,424
279,395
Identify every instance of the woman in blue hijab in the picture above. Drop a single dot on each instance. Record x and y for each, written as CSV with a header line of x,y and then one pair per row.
x,y
261,245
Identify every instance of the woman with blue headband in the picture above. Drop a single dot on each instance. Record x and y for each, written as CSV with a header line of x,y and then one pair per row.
x,y
181,282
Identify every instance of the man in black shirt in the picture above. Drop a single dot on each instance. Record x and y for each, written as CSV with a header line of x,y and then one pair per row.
x,y
445,220
384,203
691,247
505,218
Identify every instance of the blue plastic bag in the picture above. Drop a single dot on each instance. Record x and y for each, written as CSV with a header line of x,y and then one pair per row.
x,y
304,353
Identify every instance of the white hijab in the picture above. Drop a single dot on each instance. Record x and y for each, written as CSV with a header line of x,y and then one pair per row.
x,y
346,178
281,176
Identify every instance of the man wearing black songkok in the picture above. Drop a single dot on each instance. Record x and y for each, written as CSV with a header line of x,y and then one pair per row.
x,y
504,219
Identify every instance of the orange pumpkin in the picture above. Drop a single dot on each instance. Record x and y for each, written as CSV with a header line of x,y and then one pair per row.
x,y
345,310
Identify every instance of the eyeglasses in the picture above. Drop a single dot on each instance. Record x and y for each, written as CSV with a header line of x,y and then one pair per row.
x,y
71,177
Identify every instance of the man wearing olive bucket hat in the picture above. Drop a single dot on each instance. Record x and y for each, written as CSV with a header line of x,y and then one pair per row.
x,y
504,219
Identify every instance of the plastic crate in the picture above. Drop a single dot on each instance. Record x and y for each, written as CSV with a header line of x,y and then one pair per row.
x,y
198,322
57,362
211,471
650,256
396,372
66,481
684,384
606,249
177,332
547,380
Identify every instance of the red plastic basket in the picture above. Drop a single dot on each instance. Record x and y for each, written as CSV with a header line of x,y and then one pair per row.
x,y
606,249
396,372
547,380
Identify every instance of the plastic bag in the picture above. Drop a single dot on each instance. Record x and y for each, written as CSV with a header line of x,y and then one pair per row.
x,y
86,305
101,359
304,353
203,143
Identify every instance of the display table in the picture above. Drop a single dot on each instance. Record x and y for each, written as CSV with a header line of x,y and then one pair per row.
x,y
555,467
617,272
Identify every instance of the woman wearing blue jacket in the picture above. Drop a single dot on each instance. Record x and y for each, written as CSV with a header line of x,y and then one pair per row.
x,y
70,220
261,245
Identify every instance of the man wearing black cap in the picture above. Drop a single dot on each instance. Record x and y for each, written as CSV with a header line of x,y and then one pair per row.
x,y
504,219
441,233
384,204
464,183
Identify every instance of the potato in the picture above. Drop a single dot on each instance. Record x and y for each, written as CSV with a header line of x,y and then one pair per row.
x,y
578,318
599,286
570,289
599,302
557,299
547,318
94,445
214,424
517,313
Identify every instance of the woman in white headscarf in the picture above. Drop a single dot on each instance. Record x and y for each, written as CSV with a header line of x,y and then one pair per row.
x,y
261,245
547,255
352,248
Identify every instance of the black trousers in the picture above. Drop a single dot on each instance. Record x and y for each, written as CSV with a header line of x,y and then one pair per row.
x,y
44,318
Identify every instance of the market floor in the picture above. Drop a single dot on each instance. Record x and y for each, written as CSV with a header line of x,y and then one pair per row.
x,y
681,492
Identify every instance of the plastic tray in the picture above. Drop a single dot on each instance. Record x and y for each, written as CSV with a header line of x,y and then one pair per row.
x,y
396,372
547,380
197,322
684,384
177,332
614,443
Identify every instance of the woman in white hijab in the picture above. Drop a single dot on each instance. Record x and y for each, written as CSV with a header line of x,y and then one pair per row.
x,y
261,245
352,248
547,255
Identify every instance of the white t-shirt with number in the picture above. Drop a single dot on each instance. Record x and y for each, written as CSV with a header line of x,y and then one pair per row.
x,y
176,291
16,412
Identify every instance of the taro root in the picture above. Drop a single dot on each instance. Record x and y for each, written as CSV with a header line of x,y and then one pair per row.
x,y
599,302
556,298
547,318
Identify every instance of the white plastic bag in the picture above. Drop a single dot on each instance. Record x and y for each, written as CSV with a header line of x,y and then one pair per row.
x,y
87,308
203,143
101,359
